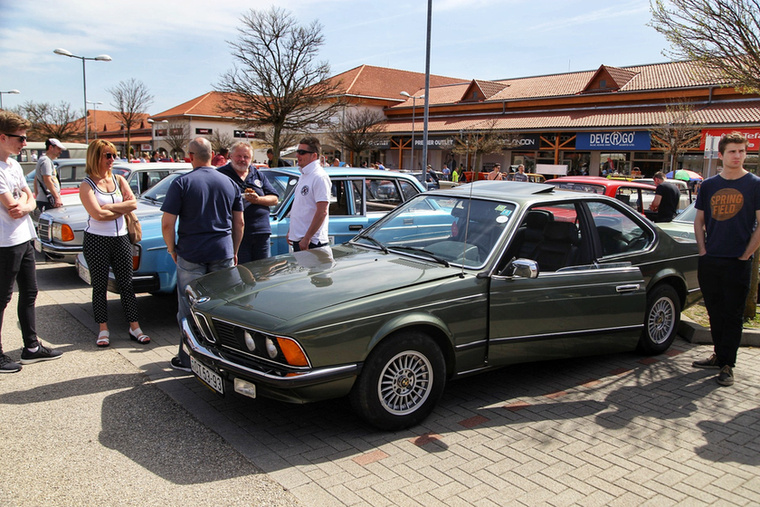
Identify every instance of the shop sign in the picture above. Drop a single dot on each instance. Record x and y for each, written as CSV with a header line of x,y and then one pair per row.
x,y
245,134
145,147
523,142
382,144
615,141
160,132
204,132
752,135
435,143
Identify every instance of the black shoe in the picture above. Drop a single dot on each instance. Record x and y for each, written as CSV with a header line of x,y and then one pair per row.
x,y
176,363
43,354
8,365
711,363
726,376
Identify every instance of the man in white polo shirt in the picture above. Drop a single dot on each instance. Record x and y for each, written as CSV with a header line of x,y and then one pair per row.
x,y
309,215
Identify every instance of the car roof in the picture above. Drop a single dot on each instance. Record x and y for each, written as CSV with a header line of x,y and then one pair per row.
x,y
152,165
599,180
353,171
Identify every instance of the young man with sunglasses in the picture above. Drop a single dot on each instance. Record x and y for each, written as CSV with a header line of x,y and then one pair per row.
x,y
16,251
308,217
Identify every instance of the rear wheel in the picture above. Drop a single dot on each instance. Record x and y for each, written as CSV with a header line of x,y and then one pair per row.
x,y
661,321
401,381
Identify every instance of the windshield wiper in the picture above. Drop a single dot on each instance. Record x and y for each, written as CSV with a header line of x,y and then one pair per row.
x,y
433,256
375,242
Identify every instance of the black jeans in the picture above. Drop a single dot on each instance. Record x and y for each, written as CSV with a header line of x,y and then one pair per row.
x,y
17,265
297,247
725,284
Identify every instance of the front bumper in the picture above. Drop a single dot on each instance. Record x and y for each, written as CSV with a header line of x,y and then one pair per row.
x,y
140,282
57,252
314,385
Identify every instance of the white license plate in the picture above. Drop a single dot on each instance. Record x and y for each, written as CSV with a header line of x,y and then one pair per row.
x,y
207,375
37,245
84,273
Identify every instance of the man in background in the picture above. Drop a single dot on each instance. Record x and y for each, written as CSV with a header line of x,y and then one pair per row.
x,y
309,215
46,184
666,199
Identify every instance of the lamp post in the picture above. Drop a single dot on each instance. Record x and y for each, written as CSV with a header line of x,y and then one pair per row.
x,y
153,131
414,106
9,92
99,58
95,116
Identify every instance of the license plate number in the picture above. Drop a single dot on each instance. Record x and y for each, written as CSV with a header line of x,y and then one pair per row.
x,y
207,375
84,273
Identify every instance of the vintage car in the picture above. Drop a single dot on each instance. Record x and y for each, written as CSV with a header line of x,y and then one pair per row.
x,y
359,198
451,283
636,195
682,226
60,231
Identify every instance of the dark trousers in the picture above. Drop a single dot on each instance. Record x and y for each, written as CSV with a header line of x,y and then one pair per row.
x,y
114,252
297,248
254,247
725,285
17,265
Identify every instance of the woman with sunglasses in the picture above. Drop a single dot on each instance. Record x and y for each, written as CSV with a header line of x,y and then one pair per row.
x,y
107,198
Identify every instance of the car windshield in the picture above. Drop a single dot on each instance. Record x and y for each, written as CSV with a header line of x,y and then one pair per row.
x,y
157,192
443,229
687,215
578,187
284,183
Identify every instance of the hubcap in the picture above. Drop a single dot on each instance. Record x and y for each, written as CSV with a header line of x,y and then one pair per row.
x,y
661,321
405,382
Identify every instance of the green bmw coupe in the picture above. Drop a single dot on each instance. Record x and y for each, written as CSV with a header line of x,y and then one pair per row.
x,y
451,283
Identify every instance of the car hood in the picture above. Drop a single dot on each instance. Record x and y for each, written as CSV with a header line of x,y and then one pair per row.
x,y
76,214
289,286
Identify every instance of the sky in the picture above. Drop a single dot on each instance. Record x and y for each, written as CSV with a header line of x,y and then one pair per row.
x,y
179,49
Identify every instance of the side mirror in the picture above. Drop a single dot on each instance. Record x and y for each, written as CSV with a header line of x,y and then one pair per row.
x,y
524,268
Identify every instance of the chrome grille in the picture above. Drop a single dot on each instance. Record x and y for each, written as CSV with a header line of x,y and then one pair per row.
x,y
43,230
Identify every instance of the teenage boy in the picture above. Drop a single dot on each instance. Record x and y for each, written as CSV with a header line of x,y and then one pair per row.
x,y
728,210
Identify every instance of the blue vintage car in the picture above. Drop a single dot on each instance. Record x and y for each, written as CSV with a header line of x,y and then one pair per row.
x,y
359,198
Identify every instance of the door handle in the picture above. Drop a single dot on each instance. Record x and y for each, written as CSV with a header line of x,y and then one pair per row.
x,y
354,227
628,288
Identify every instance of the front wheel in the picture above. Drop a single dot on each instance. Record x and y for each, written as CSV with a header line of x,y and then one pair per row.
x,y
401,381
661,320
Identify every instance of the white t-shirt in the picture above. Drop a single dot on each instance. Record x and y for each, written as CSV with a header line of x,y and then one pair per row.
x,y
313,186
13,231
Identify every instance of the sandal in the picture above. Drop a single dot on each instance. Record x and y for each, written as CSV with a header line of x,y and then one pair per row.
x,y
139,336
103,339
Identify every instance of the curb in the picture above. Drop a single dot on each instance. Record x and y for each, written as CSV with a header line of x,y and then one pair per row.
x,y
695,333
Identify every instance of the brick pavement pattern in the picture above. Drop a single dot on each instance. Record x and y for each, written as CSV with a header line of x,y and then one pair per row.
x,y
609,430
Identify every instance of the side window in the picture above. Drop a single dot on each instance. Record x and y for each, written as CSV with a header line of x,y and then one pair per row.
x,y
338,198
408,190
359,195
617,232
382,194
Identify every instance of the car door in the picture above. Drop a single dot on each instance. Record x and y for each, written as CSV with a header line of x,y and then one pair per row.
x,y
580,308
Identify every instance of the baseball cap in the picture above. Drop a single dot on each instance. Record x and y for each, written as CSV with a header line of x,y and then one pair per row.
x,y
56,143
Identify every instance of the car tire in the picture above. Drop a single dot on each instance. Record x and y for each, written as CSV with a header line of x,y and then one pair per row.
x,y
401,381
661,320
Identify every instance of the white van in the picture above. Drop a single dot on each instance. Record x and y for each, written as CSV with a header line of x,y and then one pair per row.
x,y
28,161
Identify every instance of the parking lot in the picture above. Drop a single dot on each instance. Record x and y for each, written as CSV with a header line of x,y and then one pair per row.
x,y
611,430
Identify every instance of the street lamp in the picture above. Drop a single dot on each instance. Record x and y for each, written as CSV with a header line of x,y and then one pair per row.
x,y
414,105
95,116
99,58
9,92
153,131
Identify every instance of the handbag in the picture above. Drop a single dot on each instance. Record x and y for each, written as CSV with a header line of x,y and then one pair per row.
x,y
134,229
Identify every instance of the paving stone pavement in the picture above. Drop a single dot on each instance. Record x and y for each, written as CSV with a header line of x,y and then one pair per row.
x,y
610,430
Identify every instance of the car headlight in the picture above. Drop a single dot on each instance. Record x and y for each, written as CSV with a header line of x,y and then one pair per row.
x,y
62,232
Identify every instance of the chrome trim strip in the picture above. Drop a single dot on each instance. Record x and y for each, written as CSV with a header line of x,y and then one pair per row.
x,y
471,345
565,333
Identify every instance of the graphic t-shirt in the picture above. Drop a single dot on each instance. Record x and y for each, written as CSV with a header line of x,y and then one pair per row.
x,y
729,207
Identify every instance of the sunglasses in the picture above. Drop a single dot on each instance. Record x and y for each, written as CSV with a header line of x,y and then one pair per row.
x,y
304,152
23,138
110,156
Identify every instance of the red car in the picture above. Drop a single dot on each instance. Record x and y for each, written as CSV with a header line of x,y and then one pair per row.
x,y
636,195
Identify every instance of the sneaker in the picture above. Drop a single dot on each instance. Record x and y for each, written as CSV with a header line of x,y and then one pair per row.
x,y
711,363
8,365
43,354
726,376
176,363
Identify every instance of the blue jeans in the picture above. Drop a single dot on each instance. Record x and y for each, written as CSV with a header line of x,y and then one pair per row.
x,y
187,272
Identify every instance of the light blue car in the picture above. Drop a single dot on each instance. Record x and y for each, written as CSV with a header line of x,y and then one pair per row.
x,y
359,198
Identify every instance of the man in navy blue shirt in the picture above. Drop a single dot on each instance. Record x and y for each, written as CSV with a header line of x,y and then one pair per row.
x,y
258,195
210,212
728,211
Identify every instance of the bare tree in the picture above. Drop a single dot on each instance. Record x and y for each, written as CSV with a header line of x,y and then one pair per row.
x,y
722,35
131,100
359,131
50,120
679,134
177,137
219,141
476,143
276,80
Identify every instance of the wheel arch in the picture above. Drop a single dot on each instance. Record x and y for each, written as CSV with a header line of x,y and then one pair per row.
x,y
672,278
